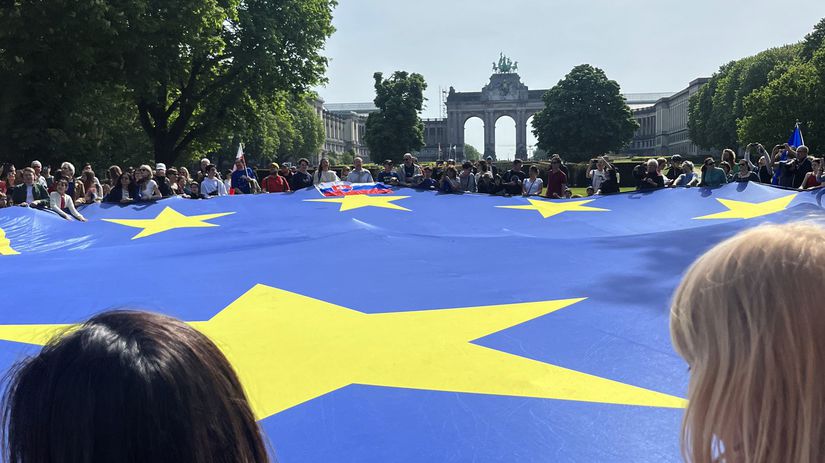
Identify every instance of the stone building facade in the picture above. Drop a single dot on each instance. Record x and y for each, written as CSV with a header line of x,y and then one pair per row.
x,y
344,128
663,126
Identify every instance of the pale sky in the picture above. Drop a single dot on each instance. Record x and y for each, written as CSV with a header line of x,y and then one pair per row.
x,y
645,45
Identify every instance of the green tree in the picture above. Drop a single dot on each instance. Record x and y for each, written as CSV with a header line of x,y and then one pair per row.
x,y
188,69
471,153
715,109
585,114
795,95
813,41
396,128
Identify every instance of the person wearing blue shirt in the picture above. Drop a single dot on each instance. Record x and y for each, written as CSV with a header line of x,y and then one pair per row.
x,y
241,177
387,176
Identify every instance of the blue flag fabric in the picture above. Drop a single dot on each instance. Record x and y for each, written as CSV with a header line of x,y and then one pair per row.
x,y
412,326
796,139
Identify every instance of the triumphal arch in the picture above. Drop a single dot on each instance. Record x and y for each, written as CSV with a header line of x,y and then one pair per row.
x,y
505,95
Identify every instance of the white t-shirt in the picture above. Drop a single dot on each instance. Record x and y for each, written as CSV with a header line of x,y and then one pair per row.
x,y
532,187
597,177
29,194
148,190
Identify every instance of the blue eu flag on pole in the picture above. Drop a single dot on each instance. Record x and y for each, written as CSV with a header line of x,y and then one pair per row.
x,y
796,139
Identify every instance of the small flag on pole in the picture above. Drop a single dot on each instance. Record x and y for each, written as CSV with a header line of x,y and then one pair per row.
x,y
796,139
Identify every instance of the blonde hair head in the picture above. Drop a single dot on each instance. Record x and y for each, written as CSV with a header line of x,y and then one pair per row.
x,y
749,318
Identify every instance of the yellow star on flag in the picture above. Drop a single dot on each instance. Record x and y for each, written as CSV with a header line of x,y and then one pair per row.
x,y
746,210
5,245
168,219
289,349
350,202
550,208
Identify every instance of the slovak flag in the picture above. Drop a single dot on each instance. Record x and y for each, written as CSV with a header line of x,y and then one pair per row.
x,y
349,189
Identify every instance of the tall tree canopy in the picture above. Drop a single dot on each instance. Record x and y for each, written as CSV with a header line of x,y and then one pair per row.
x,y
585,114
182,71
396,128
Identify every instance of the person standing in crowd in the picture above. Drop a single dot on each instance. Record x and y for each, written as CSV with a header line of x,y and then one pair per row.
x,y
449,181
533,185
801,166
427,182
563,167
467,179
754,345
147,388
491,165
38,169
286,172
486,181
688,177
212,185
652,179
301,178
242,178
7,181
30,193
344,172
610,185
174,185
596,173
662,163
387,176
183,175
113,179
728,171
712,176
67,171
513,178
90,187
324,174
729,156
763,163
274,182
408,171
359,174
62,203
812,178
148,187
202,171
161,181
126,191
556,180
745,174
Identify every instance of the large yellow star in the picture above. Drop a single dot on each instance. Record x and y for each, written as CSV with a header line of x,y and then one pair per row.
x,y
358,201
746,210
289,349
168,219
551,208
5,245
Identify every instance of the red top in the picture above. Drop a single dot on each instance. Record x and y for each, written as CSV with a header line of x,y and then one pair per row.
x,y
275,184
811,181
555,182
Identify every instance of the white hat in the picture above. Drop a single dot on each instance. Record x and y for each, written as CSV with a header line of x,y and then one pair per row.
x,y
160,166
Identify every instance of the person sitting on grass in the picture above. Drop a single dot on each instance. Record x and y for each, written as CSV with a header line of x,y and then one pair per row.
x,y
427,182
651,179
712,176
387,176
62,203
467,178
450,182
688,177
533,185
126,191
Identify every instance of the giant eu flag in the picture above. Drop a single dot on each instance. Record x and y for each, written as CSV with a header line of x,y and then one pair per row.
x,y
409,326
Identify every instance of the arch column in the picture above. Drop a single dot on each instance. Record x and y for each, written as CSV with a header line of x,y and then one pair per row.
x,y
521,134
489,134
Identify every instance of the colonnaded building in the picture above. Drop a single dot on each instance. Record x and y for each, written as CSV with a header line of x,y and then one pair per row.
x,y
662,119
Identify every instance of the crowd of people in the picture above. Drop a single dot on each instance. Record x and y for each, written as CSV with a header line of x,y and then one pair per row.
x,y
62,190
